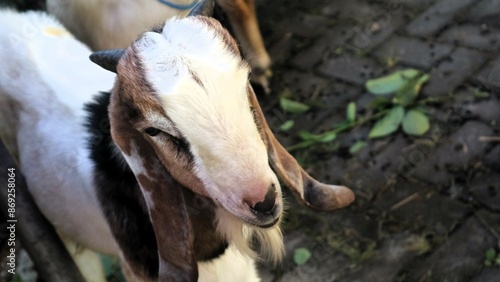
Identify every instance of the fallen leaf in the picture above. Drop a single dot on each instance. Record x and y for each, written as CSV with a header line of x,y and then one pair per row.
x,y
389,123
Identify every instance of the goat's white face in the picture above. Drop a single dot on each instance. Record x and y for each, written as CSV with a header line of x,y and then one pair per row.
x,y
198,118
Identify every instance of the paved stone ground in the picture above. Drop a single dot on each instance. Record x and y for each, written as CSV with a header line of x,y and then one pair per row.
x,y
427,208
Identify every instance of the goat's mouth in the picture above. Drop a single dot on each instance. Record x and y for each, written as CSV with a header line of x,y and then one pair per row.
x,y
265,219
260,219
267,225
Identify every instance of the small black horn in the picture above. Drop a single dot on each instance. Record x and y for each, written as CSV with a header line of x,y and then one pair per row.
x,y
107,59
203,8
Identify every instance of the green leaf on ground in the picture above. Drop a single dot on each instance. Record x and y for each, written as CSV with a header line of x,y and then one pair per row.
x,y
490,254
327,137
389,123
492,258
322,138
301,256
481,94
391,83
16,278
292,106
379,102
357,146
351,112
301,145
409,91
287,125
415,123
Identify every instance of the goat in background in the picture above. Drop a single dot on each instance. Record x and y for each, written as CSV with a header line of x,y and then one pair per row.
x,y
110,24
175,171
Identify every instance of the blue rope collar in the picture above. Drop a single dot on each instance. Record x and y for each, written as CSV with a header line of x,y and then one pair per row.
x,y
179,6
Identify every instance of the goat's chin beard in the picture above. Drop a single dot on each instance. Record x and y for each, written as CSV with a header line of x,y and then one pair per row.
x,y
241,235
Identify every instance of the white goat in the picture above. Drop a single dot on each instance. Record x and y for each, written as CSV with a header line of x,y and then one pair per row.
x,y
175,171
110,24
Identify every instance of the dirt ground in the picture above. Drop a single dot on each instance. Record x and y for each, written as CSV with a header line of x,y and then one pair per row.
x,y
427,208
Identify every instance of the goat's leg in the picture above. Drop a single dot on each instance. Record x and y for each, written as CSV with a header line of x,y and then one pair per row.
x,y
243,20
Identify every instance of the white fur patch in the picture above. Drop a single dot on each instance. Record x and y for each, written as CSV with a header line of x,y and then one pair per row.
x,y
231,266
50,78
37,40
136,164
202,84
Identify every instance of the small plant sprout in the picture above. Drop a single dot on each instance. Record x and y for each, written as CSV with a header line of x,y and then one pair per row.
x,y
395,106
405,85
492,258
292,106
301,256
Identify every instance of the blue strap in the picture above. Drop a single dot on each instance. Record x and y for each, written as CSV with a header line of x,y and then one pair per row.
x,y
178,6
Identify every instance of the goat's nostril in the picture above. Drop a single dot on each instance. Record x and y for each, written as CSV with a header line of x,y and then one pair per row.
x,y
268,204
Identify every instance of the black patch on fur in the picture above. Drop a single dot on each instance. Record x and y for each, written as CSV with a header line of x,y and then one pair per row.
x,y
119,194
123,204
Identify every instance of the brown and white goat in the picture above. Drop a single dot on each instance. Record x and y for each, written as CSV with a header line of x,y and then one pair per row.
x,y
109,24
175,171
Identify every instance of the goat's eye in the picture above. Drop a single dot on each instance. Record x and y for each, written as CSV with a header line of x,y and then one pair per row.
x,y
151,131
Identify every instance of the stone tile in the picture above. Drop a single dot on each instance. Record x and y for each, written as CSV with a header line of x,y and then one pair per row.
x,y
417,4
484,9
408,205
489,274
457,259
310,25
323,47
281,50
486,189
301,26
390,258
390,155
356,10
489,75
330,170
457,151
302,85
453,71
350,69
436,17
485,110
337,95
492,159
317,121
324,265
412,51
372,33
365,183
472,35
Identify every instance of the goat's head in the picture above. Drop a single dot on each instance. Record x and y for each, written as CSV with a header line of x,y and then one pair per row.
x,y
182,106
188,99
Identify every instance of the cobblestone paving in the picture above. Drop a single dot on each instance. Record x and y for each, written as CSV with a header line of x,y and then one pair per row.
x,y
427,208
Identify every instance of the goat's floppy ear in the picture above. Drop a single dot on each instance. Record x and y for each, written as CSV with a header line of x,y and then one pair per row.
x,y
204,8
170,220
306,189
107,59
